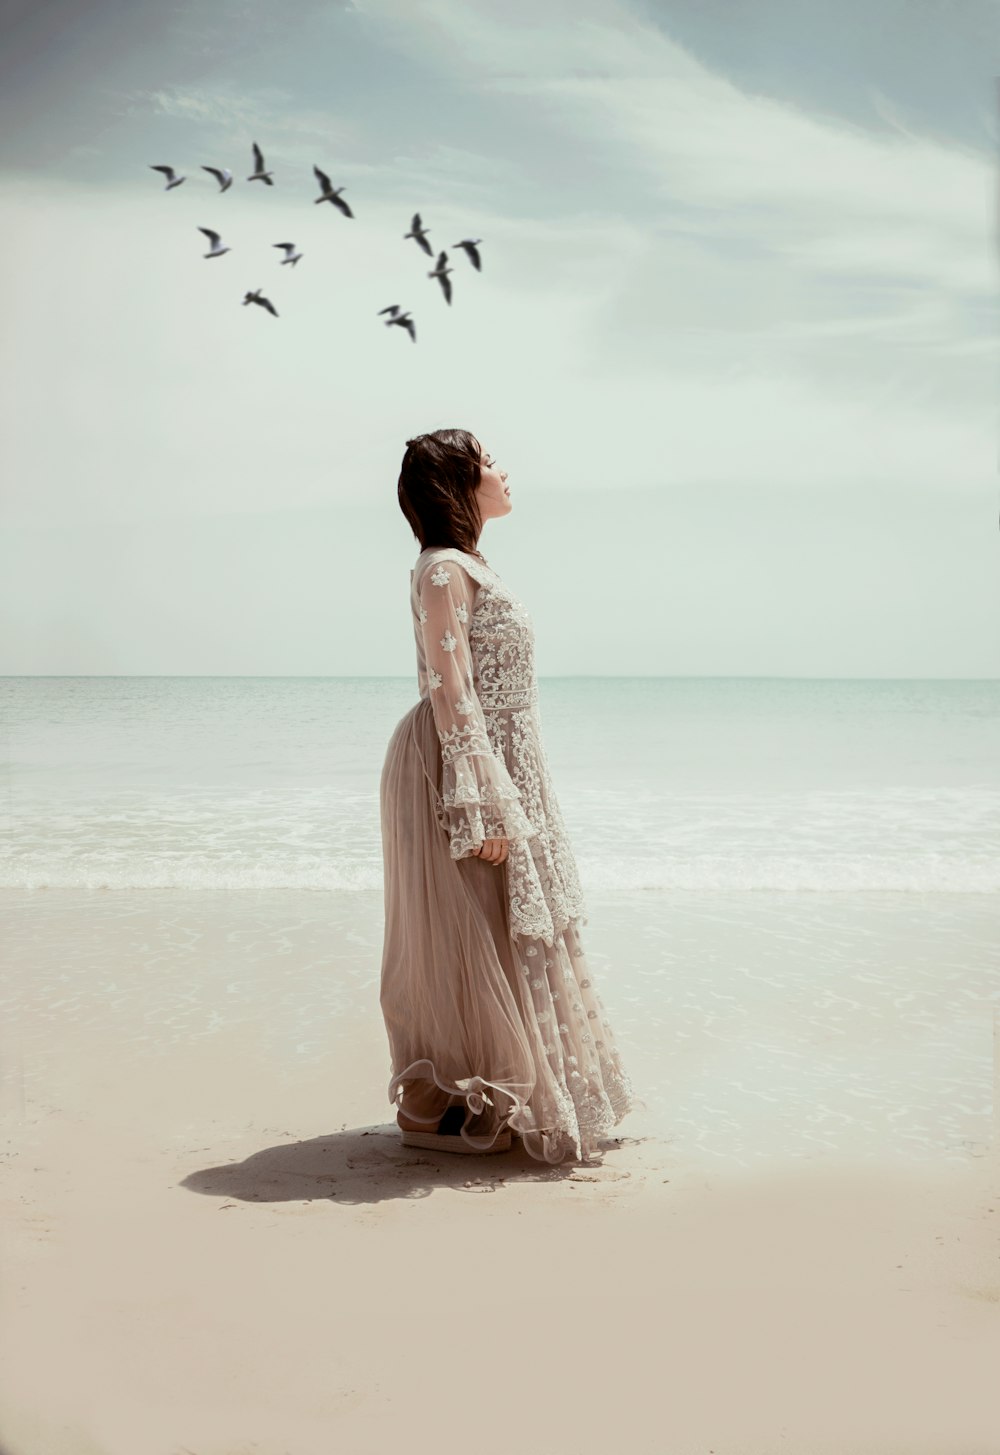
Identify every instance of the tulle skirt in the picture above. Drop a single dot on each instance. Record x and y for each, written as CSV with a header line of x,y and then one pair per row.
x,y
512,1027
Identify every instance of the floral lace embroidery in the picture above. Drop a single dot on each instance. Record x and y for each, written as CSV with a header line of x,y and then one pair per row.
x,y
544,889
496,783
459,742
587,1091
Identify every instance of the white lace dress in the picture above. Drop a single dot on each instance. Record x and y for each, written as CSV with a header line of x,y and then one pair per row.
x,y
485,987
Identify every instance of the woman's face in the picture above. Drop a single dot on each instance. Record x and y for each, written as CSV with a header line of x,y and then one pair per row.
x,y
491,494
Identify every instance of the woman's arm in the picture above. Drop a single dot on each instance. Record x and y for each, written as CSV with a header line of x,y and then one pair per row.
x,y
480,799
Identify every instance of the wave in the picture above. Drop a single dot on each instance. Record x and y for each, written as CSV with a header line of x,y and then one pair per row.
x,y
923,874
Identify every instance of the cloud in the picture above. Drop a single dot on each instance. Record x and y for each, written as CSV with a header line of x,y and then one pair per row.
x,y
226,118
689,277
742,235
824,194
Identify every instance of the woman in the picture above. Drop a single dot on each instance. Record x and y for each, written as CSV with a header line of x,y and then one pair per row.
x,y
494,1022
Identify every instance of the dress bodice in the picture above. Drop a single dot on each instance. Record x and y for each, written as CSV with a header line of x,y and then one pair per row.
x,y
476,667
500,630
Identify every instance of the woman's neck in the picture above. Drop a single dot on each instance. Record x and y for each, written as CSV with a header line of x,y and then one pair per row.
x,y
475,552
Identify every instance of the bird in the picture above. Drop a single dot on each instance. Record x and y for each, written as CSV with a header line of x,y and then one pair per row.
x,y
419,233
403,319
257,297
291,256
172,178
213,237
222,175
441,274
471,245
330,193
259,174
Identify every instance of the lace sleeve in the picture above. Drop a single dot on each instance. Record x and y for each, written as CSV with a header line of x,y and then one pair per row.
x,y
480,799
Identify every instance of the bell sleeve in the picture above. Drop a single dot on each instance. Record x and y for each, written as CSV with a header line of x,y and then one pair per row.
x,y
480,799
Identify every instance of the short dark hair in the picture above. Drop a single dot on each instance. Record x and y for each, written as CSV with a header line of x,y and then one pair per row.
x,y
437,488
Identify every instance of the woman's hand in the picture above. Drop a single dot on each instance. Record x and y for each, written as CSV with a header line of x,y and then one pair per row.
x,y
494,850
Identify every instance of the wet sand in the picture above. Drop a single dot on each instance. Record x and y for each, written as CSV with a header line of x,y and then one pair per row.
x,y
214,1242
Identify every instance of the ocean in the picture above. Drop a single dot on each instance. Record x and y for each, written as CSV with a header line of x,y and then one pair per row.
x,y
791,892
722,784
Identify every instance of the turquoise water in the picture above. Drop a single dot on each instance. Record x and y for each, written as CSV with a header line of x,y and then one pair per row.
x,y
665,783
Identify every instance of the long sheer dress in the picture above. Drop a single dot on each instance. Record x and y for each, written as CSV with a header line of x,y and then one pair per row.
x,y
486,992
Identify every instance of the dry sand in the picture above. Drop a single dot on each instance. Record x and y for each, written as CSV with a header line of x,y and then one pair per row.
x,y
212,1247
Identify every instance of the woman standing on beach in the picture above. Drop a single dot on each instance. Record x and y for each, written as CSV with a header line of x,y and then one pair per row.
x,y
494,1022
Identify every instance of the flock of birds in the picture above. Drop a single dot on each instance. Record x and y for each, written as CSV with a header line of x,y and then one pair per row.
x,y
328,193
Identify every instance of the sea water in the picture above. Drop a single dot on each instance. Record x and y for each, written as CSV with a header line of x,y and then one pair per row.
x,y
664,783
793,889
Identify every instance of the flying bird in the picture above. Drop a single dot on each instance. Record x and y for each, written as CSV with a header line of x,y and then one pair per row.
x,y
330,193
291,256
471,246
259,174
257,297
222,175
419,233
441,274
172,178
403,319
215,251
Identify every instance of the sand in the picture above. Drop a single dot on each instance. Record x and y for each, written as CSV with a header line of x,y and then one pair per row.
x,y
214,1242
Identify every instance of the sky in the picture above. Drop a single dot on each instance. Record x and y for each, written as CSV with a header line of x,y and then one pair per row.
x,y
734,339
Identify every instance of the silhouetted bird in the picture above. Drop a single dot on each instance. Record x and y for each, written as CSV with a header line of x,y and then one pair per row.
x,y
223,176
216,251
259,174
441,274
330,193
419,232
257,297
471,245
403,319
172,178
291,256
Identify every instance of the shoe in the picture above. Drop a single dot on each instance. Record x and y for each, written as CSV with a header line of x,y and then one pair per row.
x,y
447,1139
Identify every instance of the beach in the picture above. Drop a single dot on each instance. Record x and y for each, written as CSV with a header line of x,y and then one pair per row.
x,y
692,416
215,1243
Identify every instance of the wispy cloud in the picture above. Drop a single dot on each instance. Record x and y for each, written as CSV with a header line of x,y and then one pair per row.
x,y
228,118
762,277
823,194
739,231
